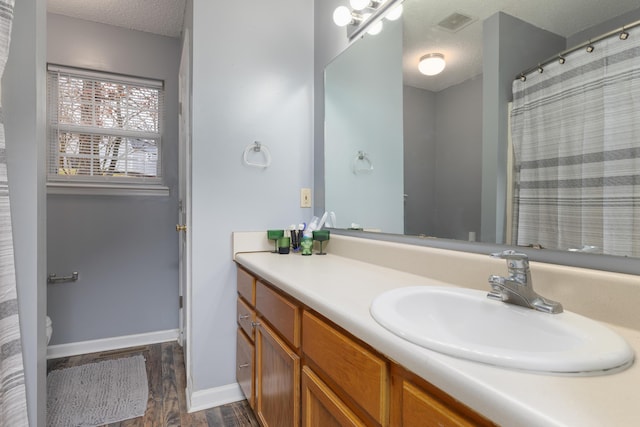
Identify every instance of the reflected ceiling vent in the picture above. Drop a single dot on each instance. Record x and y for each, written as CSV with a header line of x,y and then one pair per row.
x,y
455,22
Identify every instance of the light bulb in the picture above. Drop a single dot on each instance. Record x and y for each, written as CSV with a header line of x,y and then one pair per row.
x,y
359,4
375,28
394,13
432,64
342,16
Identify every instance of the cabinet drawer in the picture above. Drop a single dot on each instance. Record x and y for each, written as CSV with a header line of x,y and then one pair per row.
x,y
245,368
361,375
246,317
247,286
280,312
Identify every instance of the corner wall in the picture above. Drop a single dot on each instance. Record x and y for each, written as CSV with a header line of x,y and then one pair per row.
x,y
252,81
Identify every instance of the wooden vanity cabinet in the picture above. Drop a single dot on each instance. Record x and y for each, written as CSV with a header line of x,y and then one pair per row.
x,y
278,380
268,341
245,344
277,359
296,367
321,407
355,373
415,402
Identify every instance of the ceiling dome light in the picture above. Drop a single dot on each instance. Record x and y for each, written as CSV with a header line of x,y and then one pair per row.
x,y
394,13
432,64
342,16
359,4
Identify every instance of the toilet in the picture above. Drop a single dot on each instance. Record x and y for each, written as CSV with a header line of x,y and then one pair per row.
x,y
49,329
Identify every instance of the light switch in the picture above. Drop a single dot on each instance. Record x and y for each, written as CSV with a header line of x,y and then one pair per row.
x,y
305,197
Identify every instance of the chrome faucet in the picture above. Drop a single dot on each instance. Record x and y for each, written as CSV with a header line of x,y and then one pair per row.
x,y
518,287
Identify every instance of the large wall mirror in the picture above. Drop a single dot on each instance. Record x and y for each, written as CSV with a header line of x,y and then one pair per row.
x,y
416,155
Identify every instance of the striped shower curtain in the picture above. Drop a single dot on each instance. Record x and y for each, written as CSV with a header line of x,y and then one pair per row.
x,y
576,136
13,404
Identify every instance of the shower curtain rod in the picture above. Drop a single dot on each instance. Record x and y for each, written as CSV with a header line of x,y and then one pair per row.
x,y
560,56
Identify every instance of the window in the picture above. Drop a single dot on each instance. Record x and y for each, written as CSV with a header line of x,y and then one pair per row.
x,y
104,132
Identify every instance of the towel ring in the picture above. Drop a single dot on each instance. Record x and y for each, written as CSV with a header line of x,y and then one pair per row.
x,y
257,147
362,163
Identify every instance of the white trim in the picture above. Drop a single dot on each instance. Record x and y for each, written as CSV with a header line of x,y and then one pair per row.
x,y
212,397
121,78
114,343
106,189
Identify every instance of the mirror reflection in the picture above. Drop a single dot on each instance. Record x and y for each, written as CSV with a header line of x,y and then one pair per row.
x,y
438,145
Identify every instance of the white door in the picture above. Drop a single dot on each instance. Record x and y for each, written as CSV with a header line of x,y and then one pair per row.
x,y
184,200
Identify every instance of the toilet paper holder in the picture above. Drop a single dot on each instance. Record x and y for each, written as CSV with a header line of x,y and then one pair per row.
x,y
53,278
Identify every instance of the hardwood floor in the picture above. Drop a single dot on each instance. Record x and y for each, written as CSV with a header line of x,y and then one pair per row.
x,y
167,406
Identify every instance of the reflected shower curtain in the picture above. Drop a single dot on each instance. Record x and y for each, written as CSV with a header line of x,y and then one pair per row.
x,y
13,404
576,137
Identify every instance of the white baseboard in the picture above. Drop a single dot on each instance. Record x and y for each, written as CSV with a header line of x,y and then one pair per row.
x,y
106,344
212,397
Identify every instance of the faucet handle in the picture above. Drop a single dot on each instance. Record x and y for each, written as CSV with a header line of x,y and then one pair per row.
x,y
515,260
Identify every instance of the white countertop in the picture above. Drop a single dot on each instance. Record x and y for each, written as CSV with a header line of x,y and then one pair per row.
x,y
342,290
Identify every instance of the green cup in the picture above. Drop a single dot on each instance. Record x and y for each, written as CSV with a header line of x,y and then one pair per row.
x,y
275,235
284,245
321,236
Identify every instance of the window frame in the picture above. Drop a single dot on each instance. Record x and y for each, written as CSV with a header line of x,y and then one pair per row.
x,y
102,185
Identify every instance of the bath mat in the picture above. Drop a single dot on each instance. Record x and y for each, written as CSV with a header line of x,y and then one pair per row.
x,y
97,393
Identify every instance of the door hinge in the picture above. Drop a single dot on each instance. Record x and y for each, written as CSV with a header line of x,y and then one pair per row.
x,y
180,301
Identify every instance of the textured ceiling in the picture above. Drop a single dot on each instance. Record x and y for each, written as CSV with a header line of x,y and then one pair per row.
x,y
162,17
463,49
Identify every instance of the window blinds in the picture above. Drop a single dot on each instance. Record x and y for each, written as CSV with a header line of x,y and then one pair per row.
x,y
104,127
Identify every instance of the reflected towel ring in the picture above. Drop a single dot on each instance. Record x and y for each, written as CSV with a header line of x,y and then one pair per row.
x,y
257,147
362,163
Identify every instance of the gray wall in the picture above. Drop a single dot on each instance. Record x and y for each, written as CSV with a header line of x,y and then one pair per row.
x,y
605,27
458,180
252,80
510,46
443,174
124,247
23,99
419,110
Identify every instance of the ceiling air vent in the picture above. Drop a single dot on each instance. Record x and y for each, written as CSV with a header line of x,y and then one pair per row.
x,y
455,22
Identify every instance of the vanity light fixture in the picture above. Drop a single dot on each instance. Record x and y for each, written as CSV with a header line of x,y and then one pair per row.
x,y
375,27
395,13
366,15
342,16
360,4
431,64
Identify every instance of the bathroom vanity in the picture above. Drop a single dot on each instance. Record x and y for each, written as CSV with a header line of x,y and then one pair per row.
x,y
310,352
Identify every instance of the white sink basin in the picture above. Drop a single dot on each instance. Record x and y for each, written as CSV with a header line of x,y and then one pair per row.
x,y
464,323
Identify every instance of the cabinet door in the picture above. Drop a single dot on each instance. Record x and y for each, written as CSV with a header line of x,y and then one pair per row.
x,y
277,380
321,407
245,372
418,403
361,377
